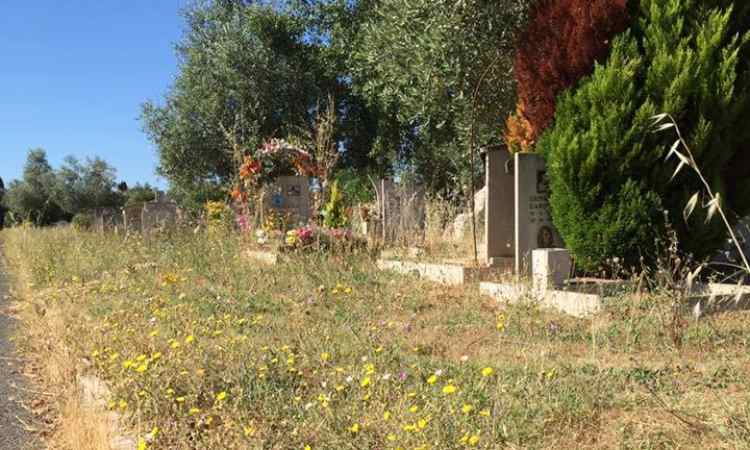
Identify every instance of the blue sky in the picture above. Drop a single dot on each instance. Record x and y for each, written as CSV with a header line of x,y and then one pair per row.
x,y
73,74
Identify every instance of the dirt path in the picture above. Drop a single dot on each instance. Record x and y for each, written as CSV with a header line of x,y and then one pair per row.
x,y
13,435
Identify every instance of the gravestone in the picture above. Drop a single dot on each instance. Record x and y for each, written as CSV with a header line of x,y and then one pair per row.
x,y
289,196
533,221
401,208
160,213
132,217
107,219
499,211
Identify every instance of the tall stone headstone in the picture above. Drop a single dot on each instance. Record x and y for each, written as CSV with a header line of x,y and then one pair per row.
x,y
499,211
533,221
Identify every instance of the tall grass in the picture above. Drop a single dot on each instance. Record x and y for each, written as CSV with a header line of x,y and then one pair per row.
x,y
203,349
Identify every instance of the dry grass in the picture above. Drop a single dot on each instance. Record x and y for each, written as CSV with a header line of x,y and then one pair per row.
x,y
173,323
53,368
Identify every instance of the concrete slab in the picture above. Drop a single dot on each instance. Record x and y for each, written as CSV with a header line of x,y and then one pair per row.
x,y
269,258
448,274
576,304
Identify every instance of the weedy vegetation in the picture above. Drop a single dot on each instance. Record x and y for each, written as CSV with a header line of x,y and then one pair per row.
x,y
204,349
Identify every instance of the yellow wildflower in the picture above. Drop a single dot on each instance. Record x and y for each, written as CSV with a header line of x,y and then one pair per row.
x,y
354,428
449,389
466,409
249,431
221,396
194,411
487,371
365,382
189,339
432,379
142,444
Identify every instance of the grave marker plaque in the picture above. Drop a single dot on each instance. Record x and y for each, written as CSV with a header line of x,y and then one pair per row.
x,y
290,196
533,221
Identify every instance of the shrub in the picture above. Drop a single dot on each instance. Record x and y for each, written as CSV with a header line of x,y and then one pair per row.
x,y
608,179
334,212
562,41
82,221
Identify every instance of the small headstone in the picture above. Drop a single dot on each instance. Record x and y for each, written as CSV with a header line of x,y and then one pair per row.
x,y
552,267
290,196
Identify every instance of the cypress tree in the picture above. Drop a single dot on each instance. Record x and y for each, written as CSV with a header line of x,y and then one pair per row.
x,y
610,184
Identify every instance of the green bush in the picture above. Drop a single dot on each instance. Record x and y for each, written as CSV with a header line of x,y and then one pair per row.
x,y
82,221
334,212
610,184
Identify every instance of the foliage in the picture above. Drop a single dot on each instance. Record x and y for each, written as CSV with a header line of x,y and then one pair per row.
x,y
608,180
247,74
140,193
82,187
32,197
355,187
82,221
334,212
424,61
559,46
45,195
218,218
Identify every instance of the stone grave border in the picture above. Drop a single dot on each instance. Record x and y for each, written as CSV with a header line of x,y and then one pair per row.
x,y
550,287
264,257
447,274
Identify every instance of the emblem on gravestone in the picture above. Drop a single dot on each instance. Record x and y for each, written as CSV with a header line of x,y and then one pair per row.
x,y
294,190
542,184
277,200
545,238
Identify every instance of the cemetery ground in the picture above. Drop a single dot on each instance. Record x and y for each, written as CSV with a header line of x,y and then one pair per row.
x,y
202,348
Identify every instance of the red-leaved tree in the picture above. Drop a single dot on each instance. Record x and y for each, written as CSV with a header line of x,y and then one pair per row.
x,y
561,43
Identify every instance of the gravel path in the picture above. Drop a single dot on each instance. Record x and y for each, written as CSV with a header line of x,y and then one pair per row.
x,y
13,435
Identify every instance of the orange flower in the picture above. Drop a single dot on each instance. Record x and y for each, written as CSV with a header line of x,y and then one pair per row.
x,y
249,168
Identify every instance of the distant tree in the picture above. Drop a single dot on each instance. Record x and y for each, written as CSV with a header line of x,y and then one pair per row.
x,y
82,187
45,196
140,193
31,198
